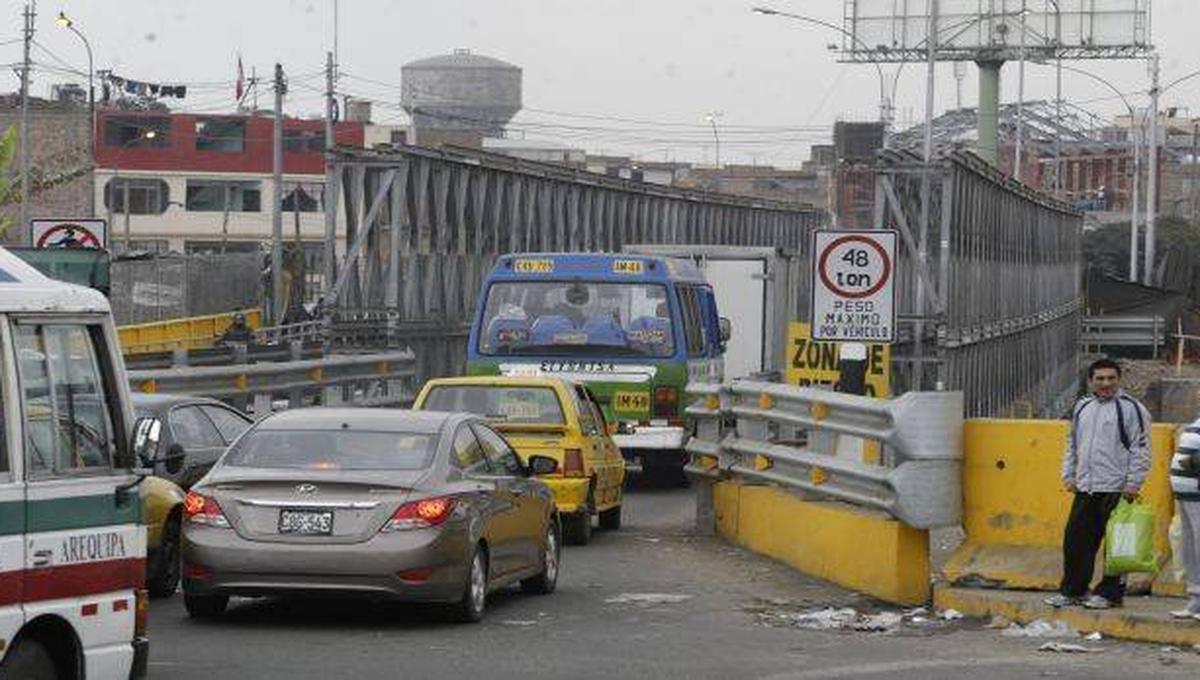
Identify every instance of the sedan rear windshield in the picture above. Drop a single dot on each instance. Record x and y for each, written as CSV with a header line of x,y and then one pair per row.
x,y
499,403
340,450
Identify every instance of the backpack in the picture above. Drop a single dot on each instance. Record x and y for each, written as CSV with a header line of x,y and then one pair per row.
x,y
1121,431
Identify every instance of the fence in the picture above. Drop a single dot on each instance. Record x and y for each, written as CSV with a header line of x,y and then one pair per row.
x,y
990,282
787,436
1124,331
363,380
172,286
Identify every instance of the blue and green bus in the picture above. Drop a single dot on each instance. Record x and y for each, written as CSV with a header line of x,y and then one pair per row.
x,y
633,328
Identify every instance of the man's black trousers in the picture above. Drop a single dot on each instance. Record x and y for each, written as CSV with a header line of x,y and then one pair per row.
x,y
1081,541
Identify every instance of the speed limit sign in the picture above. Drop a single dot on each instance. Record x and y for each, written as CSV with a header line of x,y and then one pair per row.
x,y
853,288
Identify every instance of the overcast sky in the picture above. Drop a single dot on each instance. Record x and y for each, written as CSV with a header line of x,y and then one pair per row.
x,y
773,81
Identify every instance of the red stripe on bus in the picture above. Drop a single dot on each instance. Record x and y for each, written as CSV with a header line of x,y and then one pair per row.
x,y
76,580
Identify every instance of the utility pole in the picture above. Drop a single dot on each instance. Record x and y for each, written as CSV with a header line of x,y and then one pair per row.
x,y
1020,102
277,301
1152,184
918,367
329,196
30,13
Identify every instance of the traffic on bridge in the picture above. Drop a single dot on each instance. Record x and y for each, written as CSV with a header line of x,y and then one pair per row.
x,y
481,373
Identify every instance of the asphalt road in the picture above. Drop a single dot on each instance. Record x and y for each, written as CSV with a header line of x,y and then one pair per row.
x,y
651,600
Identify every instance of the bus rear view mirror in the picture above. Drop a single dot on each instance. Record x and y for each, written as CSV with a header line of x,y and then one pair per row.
x,y
726,329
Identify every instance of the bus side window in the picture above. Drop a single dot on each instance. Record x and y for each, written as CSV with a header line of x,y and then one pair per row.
x,y
693,319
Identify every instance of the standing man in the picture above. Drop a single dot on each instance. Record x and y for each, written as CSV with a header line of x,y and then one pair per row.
x,y
1107,458
1185,484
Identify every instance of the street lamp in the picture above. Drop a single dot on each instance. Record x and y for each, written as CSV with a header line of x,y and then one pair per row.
x,y
711,119
65,21
144,136
1137,163
885,106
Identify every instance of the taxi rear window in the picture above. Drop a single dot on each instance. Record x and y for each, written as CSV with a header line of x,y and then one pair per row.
x,y
500,403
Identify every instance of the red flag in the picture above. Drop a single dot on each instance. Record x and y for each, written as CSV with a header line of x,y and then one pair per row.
x,y
241,80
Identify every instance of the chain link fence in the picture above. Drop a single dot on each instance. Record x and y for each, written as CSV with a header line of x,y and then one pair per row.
x,y
170,286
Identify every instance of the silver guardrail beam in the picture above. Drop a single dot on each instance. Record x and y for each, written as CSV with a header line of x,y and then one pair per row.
x,y
786,435
374,374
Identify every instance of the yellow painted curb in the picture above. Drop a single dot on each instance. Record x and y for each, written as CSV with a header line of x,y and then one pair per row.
x,y
1141,619
854,548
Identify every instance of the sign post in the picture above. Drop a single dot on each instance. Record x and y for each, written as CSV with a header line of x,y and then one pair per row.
x,y
853,289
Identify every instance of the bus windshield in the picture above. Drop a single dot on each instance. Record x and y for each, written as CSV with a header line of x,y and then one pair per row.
x,y
563,318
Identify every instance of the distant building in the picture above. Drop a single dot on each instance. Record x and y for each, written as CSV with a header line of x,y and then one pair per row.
x,y
459,99
762,181
542,152
202,183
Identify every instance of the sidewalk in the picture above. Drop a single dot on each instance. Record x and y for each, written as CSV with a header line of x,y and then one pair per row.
x,y
1143,618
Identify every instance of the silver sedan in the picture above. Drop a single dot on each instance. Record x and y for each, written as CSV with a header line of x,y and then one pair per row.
x,y
406,505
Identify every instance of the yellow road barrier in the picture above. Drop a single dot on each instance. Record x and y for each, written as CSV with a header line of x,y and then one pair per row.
x,y
1014,506
195,332
855,548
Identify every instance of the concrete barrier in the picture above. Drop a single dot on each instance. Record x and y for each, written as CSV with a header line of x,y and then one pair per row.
x,y
1014,507
860,549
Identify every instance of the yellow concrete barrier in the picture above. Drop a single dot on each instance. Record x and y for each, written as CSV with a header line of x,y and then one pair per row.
x,y
1014,506
858,549
195,332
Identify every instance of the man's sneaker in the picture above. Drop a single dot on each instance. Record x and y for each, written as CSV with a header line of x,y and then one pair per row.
x,y
1097,602
1059,601
1184,614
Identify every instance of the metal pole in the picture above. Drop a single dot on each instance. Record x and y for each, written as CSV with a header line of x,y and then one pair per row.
x,y
989,110
1135,209
918,369
1057,94
1152,184
329,195
1020,103
125,201
276,203
29,14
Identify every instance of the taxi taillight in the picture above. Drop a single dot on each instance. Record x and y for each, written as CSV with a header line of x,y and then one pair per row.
x,y
666,401
204,510
573,463
141,613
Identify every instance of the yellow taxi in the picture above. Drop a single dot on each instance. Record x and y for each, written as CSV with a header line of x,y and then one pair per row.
x,y
548,417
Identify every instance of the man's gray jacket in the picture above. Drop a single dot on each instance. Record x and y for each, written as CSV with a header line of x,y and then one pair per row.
x,y
1107,449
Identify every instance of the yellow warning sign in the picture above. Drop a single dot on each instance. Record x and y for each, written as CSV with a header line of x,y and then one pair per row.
x,y
812,362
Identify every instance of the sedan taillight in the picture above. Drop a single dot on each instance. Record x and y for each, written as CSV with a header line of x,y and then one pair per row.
x,y
203,510
573,463
422,514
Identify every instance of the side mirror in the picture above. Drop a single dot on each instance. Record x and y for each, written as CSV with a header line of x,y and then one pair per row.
x,y
173,459
146,432
726,328
542,465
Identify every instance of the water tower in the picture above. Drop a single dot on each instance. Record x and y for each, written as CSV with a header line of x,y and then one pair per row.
x,y
460,95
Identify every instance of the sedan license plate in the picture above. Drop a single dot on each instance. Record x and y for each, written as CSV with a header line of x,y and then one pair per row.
x,y
314,522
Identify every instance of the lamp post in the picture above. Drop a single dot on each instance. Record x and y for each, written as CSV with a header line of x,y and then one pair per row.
x,y
885,105
146,135
711,119
65,21
1137,165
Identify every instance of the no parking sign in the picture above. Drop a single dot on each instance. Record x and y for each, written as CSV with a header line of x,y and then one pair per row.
x,y
853,289
82,233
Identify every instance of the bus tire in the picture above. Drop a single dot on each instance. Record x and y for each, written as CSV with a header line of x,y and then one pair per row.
x,y
29,660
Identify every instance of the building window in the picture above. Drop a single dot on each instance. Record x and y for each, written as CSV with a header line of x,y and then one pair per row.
x,y
305,197
217,196
156,246
399,137
137,132
146,196
221,134
297,141
216,248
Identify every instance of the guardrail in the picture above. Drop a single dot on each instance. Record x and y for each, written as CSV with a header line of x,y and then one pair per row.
x,y
786,435
360,379
1124,331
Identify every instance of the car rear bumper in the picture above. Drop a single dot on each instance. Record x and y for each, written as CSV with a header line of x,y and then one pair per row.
x,y
570,493
220,562
649,437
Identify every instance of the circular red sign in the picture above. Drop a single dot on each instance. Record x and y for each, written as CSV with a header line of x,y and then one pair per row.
x,y
883,256
68,236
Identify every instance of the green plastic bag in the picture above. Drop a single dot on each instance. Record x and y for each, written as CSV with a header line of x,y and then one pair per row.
x,y
1129,540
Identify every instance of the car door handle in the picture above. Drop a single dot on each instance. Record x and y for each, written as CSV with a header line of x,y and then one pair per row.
x,y
43,558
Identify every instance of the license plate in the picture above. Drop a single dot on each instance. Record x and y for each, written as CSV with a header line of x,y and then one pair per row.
x,y
631,401
305,522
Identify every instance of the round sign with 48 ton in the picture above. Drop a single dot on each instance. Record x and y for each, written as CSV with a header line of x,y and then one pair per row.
x,y
853,285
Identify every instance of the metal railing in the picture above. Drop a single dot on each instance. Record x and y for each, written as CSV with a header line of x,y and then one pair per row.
x,y
789,436
362,380
1124,331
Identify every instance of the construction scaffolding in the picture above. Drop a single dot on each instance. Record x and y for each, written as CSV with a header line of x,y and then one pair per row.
x,y
993,297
